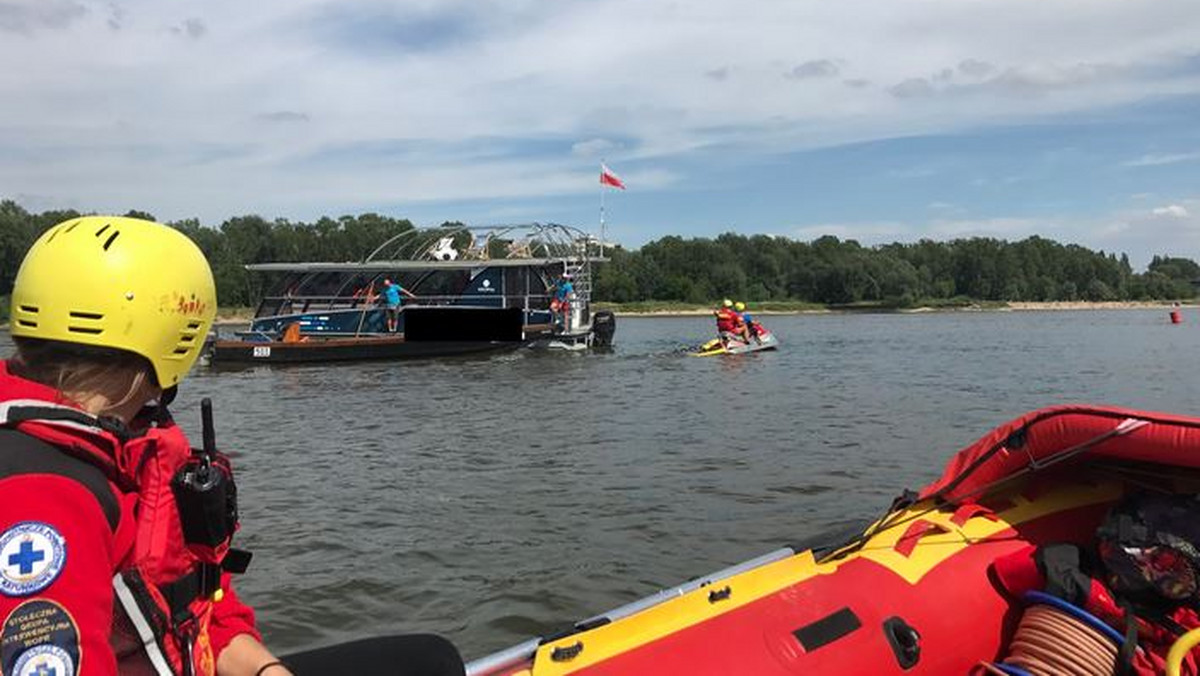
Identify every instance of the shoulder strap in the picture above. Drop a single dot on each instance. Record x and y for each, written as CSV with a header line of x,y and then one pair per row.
x,y
21,453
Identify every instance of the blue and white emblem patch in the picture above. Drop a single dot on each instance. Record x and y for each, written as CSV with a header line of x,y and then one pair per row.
x,y
44,660
32,554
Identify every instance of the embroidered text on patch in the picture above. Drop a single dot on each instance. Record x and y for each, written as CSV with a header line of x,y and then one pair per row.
x,y
39,637
32,554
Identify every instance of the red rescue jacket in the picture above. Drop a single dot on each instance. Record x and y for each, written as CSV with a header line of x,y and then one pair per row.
x,y
726,320
95,575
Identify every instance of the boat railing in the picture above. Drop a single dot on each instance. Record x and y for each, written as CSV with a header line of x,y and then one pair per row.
x,y
277,306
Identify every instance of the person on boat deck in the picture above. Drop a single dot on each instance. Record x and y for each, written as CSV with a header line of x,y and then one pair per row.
x,y
726,320
564,290
391,297
108,317
564,293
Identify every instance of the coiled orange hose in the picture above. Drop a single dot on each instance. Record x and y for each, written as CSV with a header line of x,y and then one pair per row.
x,y
1050,642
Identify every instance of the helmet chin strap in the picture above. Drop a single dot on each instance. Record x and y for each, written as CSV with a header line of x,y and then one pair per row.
x,y
155,412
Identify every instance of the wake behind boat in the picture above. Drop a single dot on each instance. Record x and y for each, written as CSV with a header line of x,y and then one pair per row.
x,y
737,333
982,571
715,347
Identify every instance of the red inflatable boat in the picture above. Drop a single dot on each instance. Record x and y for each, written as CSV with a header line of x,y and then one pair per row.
x,y
915,592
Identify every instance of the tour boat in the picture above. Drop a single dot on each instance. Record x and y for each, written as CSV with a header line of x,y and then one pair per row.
x,y
477,289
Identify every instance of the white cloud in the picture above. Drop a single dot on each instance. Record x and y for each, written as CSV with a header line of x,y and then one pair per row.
x,y
817,68
1154,160
594,147
171,108
29,16
1171,211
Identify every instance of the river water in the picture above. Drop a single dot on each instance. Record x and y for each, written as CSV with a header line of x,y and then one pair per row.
x,y
492,499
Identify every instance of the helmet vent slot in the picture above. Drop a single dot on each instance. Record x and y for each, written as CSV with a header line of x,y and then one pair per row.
x,y
85,329
101,230
109,241
26,323
192,326
86,315
182,350
186,338
72,226
31,309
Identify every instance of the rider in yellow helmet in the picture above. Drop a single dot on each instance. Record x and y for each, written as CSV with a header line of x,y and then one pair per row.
x,y
752,328
108,316
740,330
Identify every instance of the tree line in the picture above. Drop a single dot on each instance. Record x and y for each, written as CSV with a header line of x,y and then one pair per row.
x,y
758,268
838,272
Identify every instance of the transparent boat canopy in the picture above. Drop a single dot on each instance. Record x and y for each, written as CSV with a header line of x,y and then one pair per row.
x,y
466,247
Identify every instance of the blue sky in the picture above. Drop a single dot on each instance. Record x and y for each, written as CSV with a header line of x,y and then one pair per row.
x,y
878,120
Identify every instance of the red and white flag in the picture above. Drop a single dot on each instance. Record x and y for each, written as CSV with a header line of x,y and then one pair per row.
x,y
607,177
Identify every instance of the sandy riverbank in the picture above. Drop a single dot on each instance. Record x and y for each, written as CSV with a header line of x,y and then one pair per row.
x,y
1113,305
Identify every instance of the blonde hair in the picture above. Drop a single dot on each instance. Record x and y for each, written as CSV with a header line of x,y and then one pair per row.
x,y
82,371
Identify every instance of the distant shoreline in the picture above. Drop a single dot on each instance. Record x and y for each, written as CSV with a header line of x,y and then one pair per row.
x,y
1015,306
242,316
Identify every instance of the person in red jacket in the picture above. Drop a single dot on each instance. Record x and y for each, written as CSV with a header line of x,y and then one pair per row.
x,y
726,320
115,535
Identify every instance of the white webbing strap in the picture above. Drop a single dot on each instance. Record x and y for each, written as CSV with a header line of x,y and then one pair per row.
x,y
6,408
125,595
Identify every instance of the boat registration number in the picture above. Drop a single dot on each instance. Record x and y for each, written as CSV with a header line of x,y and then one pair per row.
x,y
261,352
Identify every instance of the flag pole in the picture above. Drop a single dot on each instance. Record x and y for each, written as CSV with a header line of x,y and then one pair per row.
x,y
602,233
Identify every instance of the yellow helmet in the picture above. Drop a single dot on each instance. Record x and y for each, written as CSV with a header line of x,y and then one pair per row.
x,y
739,306
121,283
727,303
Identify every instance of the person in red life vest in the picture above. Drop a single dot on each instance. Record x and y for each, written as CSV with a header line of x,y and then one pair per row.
x,y
726,321
115,534
742,324
753,328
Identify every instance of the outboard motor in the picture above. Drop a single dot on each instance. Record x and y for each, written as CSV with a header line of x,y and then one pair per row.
x,y
604,325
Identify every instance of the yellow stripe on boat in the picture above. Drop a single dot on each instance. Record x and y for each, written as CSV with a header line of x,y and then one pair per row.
x,y
932,549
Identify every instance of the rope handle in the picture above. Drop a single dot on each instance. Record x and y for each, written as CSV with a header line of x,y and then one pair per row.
x,y
1179,650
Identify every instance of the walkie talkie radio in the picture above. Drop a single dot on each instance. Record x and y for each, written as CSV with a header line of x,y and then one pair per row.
x,y
205,491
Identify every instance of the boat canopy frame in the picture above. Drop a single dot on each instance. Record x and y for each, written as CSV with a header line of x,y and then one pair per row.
x,y
543,249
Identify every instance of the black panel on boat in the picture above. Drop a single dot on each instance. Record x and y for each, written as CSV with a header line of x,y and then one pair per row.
x,y
904,640
827,629
424,324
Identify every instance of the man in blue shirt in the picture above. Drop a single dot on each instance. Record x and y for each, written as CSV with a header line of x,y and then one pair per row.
x,y
564,289
391,298
561,300
564,292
